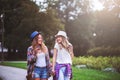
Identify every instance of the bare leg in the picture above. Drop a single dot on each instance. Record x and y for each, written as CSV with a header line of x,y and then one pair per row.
x,y
37,79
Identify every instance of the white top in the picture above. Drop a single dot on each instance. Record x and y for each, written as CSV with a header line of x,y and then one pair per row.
x,y
41,61
63,56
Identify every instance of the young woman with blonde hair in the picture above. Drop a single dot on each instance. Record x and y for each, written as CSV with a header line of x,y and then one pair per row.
x,y
62,57
38,57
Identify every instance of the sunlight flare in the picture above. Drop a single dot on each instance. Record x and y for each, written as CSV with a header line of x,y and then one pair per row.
x,y
97,5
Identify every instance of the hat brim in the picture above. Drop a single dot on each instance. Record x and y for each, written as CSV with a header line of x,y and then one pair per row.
x,y
61,35
36,35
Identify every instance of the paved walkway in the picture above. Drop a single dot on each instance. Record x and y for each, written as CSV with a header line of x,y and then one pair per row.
x,y
12,73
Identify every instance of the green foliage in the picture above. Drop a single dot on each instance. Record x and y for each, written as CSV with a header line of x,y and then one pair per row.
x,y
22,17
16,13
98,62
105,23
104,51
80,22
77,27
108,24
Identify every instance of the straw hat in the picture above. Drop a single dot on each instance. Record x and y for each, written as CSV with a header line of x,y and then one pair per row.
x,y
61,33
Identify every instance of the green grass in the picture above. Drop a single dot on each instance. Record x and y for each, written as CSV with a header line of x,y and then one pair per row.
x,y
91,74
78,74
15,64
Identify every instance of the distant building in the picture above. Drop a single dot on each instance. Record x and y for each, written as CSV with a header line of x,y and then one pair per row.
x,y
4,49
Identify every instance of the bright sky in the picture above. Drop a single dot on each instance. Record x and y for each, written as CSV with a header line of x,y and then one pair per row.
x,y
40,1
96,4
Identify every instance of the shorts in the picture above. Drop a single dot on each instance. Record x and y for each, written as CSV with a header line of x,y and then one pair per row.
x,y
40,72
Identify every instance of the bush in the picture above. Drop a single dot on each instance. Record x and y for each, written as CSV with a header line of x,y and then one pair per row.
x,y
104,51
98,62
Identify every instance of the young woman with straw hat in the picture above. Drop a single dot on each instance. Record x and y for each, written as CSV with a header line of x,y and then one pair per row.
x,y
62,57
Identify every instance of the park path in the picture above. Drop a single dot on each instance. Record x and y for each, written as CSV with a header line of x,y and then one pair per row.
x,y
12,73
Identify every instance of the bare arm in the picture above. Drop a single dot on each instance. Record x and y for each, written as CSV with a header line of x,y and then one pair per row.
x,y
71,52
54,59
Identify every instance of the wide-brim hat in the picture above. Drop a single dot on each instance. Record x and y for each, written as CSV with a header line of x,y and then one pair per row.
x,y
34,34
61,33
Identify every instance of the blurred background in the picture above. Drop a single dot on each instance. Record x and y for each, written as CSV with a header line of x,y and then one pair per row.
x,y
93,26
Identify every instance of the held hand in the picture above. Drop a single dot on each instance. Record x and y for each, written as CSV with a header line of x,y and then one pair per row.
x,y
53,72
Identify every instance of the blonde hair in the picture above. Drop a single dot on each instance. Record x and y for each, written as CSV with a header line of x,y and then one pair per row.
x,y
35,46
65,43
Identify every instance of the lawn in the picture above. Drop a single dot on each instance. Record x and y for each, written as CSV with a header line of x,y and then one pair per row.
x,y
91,74
15,64
78,74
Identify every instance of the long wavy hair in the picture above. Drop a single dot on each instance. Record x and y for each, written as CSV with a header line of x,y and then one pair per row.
x,y
65,44
36,46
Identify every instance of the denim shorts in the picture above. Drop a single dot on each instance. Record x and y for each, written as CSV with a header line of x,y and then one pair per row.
x,y
40,72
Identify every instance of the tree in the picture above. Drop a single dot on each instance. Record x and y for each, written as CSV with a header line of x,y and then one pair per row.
x,y
81,23
77,18
108,24
25,17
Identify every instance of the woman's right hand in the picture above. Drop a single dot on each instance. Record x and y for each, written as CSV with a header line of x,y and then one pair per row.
x,y
53,72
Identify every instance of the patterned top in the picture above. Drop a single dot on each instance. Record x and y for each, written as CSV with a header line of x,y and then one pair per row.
x,y
31,59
